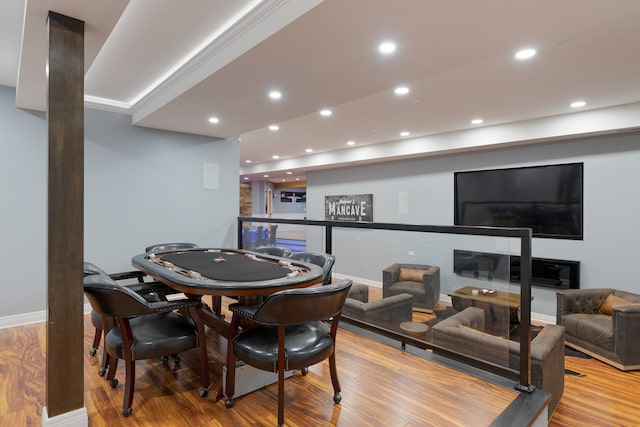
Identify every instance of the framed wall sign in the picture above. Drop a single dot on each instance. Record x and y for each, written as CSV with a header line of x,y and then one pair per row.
x,y
357,207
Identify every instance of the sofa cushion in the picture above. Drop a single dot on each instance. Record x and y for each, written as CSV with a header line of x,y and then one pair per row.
x,y
613,301
410,275
594,328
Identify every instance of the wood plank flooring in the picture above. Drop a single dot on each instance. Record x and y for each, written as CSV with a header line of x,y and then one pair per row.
x,y
381,386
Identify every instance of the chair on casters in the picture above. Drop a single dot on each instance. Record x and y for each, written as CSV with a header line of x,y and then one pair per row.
x,y
291,334
151,291
144,330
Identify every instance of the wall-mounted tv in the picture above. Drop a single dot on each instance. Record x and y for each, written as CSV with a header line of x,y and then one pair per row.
x,y
547,199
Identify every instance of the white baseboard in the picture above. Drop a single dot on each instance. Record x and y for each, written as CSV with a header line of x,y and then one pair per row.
x,y
77,418
29,318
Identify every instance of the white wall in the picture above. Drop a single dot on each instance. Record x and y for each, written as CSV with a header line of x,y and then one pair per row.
x,y
610,250
142,186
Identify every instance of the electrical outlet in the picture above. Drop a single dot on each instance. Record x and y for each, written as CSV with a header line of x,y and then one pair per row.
x,y
412,253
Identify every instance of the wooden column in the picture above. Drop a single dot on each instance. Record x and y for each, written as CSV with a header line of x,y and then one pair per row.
x,y
65,122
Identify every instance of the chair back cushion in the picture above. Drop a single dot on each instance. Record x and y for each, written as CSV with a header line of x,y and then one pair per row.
x,y
325,261
295,306
111,299
90,268
167,247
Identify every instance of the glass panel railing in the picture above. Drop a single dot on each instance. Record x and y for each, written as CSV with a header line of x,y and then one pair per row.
x,y
449,289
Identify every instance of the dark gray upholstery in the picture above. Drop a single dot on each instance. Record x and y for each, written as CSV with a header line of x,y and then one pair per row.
x,y
464,333
167,247
426,292
323,260
292,334
144,330
611,338
388,312
274,250
151,291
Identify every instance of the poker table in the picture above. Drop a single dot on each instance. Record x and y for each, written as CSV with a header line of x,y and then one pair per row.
x,y
217,272
226,272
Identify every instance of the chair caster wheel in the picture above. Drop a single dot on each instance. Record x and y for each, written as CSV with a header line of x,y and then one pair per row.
x,y
127,411
93,351
337,398
165,359
304,371
228,402
176,359
204,392
102,371
114,383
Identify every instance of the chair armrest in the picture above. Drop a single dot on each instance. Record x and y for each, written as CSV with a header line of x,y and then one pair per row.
x,y
151,287
579,301
626,332
243,310
390,274
136,274
166,306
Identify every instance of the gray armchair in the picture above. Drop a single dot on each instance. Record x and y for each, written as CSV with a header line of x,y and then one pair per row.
x,y
421,281
603,323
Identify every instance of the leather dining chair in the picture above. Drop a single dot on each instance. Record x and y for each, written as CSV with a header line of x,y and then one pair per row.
x,y
323,260
144,330
292,334
274,250
151,291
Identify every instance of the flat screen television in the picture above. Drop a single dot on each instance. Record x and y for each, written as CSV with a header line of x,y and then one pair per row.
x,y
547,199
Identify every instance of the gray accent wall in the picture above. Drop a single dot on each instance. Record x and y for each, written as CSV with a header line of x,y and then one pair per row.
x,y
608,254
142,186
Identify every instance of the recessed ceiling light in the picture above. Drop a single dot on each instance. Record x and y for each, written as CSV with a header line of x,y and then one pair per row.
x,y
275,94
247,161
309,150
275,156
214,120
325,112
477,121
284,180
351,143
274,127
578,104
405,133
525,53
289,172
386,48
401,90
245,178
265,176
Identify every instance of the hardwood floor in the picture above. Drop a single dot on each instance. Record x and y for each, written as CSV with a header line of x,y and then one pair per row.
x,y
381,386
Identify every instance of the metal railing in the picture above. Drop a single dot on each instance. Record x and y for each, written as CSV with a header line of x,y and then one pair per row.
x,y
523,374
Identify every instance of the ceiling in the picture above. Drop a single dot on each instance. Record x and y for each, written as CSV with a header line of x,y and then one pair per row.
x,y
172,65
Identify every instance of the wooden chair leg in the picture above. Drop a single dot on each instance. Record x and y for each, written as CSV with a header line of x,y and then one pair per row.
x,y
281,367
130,369
96,342
231,362
334,378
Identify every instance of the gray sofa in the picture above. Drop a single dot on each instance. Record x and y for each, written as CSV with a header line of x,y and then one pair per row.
x,y
388,312
596,326
463,333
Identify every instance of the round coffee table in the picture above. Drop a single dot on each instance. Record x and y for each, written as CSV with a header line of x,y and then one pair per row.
x,y
415,329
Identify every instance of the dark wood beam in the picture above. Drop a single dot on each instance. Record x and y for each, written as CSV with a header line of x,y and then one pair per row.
x,y
65,122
